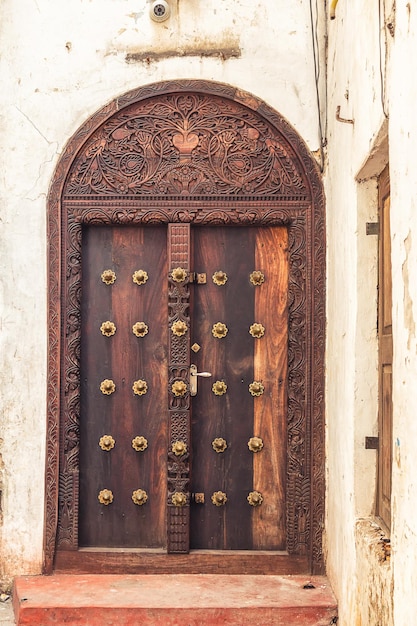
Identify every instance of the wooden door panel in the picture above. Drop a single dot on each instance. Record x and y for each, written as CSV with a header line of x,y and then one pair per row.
x,y
123,358
239,359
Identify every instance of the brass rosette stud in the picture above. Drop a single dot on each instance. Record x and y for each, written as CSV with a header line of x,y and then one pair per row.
x,y
219,498
179,328
140,277
255,444
255,498
139,443
179,388
107,387
179,498
140,329
179,274
140,387
105,497
108,328
219,388
257,278
219,277
106,442
219,444
256,388
140,497
108,277
219,330
257,331
179,448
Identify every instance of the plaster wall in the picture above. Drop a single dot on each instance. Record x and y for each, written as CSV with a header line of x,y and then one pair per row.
x,y
60,62
371,59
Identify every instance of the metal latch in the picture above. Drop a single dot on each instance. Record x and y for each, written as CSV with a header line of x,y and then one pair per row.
x,y
193,378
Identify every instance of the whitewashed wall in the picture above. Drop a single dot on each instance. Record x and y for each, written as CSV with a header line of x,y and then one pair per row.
x,y
60,62
369,65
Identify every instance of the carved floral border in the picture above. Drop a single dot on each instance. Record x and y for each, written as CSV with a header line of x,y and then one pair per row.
x,y
305,220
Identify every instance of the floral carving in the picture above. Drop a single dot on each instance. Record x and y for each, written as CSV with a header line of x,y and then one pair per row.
x,y
187,144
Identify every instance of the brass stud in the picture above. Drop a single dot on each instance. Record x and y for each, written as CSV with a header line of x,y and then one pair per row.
x,y
219,498
219,388
257,278
108,328
140,387
107,387
179,388
179,274
179,498
106,442
256,388
257,331
140,329
139,443
179,328
255,498
219,277
105,497
140,277
140,497
255,444
108,277
195,347
219,444
219,330
179,448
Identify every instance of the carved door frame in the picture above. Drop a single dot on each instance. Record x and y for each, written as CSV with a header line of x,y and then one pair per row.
x,y
276,182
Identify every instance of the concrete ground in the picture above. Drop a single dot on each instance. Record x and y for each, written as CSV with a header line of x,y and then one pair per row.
x,y
6,613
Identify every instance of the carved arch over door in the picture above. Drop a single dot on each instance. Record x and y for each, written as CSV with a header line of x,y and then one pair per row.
x,y
203,153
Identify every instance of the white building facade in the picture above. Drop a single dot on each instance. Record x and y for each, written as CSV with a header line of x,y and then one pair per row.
x,y
346,86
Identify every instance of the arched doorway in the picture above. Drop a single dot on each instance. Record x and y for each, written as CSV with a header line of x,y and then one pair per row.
x,y
186,227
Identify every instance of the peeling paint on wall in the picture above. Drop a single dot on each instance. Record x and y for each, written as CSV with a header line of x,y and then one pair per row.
x,y
409,321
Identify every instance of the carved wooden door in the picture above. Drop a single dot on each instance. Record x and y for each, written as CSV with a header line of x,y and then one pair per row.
x,y
170,459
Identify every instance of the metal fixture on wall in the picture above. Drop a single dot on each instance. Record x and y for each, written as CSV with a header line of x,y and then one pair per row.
x,y
160,11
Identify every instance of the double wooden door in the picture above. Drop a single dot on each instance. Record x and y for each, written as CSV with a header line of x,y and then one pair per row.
x,y
166,452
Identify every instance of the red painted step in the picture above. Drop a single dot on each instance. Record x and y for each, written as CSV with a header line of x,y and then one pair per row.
x,y
173,600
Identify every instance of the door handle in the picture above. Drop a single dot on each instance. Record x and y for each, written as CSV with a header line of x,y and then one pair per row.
x,y
193,378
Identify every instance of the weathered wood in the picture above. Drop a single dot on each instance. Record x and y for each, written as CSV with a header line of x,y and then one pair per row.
x,y
124,358
197,562
281,187
270,409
